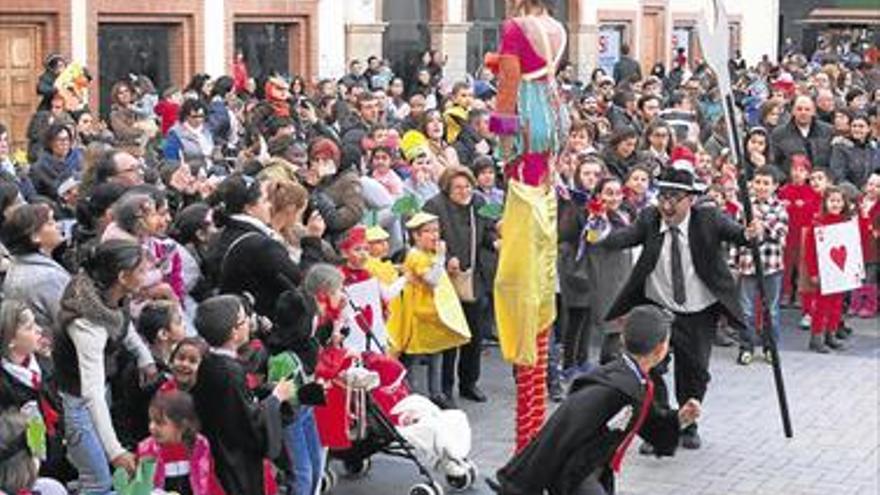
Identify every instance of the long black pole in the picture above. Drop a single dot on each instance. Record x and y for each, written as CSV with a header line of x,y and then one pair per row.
x,y
767,331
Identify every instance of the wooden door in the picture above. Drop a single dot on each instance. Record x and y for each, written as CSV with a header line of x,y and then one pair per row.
x,y
653,39
20,57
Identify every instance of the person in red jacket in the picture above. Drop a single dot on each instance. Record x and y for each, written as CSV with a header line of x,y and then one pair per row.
x,y
240,74
820,179
168,108
801,203
864,299
827,309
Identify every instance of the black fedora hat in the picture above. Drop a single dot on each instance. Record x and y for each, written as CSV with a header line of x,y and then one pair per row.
x,y
680,177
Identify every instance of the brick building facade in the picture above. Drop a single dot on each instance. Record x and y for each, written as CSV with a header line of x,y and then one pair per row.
x,y
171,40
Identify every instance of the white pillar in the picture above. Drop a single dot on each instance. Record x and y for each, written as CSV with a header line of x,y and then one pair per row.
x,y
78,27
585,40
451,40
331,39
455,11
215,42
362,31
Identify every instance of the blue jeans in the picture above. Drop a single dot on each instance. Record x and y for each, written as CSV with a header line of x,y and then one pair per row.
x,y
84,448
748,292
302,441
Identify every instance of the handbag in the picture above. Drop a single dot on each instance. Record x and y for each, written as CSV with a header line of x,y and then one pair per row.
x,y
463,281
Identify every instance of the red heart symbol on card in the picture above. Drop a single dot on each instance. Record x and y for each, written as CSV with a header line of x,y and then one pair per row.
x,y
838,256
365,319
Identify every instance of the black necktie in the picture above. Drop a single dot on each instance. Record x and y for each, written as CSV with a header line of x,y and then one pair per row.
x,y
678,293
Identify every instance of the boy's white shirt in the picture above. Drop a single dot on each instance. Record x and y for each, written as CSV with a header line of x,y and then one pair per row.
x,y
619,421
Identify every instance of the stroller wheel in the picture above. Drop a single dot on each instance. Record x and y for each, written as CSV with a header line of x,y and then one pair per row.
x,y
328,480
357,468
472,469
426,489
461,482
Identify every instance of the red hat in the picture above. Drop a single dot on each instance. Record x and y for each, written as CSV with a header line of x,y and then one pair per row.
x,y
356,236
682,156
680,175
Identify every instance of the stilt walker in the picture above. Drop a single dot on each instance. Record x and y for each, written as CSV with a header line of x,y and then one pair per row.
x,y
527,120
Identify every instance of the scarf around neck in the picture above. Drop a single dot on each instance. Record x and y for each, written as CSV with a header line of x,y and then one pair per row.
x,y
28,374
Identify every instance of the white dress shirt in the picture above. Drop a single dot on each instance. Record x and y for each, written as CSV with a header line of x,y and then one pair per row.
x,y
658,287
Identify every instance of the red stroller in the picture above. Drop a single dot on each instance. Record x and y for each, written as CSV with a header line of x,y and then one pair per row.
x,y
359,420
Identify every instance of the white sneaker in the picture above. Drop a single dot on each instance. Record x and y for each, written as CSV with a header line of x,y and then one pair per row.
x,y
806,321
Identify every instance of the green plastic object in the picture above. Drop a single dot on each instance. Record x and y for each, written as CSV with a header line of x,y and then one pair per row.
x,y
492,211
140,484
284,366
406,206
35,436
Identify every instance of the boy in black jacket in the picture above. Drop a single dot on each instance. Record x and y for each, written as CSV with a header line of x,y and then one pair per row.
x,y
241,430
582,445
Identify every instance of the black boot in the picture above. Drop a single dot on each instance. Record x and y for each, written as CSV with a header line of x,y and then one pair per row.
x,y
833,342
690,438
472,393
818,345
444,401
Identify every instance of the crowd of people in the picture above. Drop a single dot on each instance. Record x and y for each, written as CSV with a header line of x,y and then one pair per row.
x,y
154,259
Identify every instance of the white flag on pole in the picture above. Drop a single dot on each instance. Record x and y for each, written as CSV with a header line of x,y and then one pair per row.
x,y
714,32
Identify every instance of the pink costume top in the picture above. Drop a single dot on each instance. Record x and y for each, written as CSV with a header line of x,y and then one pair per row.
x,y
528,105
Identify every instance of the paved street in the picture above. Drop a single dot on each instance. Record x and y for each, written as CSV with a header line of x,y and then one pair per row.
x,y
834,405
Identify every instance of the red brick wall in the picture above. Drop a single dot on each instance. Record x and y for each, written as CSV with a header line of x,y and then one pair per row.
x,y
438,11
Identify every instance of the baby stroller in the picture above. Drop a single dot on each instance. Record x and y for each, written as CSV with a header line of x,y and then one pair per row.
x,y
370,410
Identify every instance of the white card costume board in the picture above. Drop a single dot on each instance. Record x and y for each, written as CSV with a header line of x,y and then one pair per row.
x,y
367,296
839,253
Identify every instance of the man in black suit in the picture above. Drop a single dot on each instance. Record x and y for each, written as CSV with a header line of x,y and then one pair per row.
x,y
683,268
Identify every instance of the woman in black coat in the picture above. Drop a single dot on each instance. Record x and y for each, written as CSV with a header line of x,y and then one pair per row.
x,y
575,284
470,246
620,154
58,161
853,160
249,256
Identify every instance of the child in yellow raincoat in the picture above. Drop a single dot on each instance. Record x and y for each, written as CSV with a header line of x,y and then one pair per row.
x,y
430,319
377,264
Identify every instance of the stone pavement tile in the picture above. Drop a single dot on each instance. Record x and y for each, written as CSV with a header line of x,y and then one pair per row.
x,y
835,409
653,489
840,475
866,490
773,485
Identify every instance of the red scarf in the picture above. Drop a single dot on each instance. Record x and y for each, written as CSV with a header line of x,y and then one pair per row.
x,y
617,459
354,275
328,313
30,375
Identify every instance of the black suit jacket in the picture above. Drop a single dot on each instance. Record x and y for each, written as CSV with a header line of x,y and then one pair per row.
x,y
709,228
244,433
576,440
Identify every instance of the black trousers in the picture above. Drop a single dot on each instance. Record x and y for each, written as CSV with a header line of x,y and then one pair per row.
x,y
598,483
466,359
691,343
576,332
